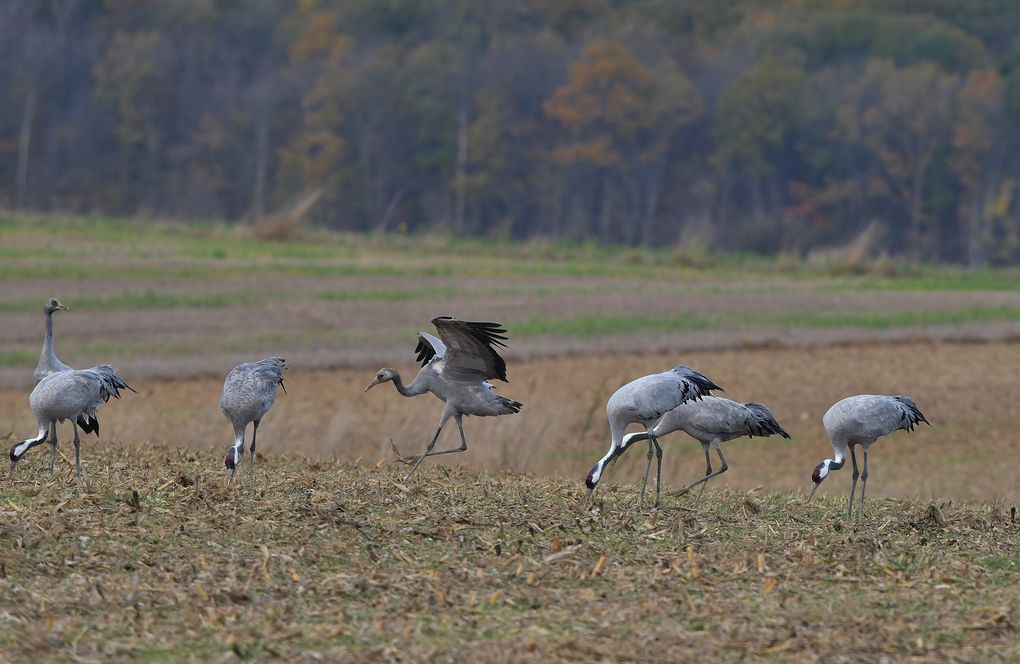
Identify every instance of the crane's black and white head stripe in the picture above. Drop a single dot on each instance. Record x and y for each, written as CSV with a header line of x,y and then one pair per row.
x,y
821,471
233,459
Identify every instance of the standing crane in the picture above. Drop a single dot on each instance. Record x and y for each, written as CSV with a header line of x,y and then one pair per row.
x,y
67,395
712,421
861,420
456,368
49,363
644,401
248,393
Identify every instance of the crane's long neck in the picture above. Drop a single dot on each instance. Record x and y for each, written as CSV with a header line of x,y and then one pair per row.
x,y
417,386
840,460
47,349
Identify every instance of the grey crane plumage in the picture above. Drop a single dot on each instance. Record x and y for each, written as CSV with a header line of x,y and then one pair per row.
x,y
456,368
861,420
50,364
66,395
249,391
712,421
644,401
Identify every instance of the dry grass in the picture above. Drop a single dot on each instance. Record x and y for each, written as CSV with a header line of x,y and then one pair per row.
x,y
156,559
968,391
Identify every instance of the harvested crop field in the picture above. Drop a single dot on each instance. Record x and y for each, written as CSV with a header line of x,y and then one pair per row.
x,y
157,559
497,554
968,391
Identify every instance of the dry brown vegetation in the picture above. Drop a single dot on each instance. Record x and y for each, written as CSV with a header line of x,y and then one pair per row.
x,y
968,391
156,559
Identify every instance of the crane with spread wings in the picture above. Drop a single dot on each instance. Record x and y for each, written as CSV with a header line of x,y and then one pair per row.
x,y
456,367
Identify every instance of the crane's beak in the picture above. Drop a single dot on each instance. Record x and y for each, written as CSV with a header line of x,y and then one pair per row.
x,y
10,474
63,307
372,384
812,494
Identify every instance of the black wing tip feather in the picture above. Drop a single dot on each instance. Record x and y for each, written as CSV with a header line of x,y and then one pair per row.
x,y
765,423
424,352
487,333
913,414
703,383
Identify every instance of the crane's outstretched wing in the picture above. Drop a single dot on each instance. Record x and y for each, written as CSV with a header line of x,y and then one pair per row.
x,y
429,347
470,353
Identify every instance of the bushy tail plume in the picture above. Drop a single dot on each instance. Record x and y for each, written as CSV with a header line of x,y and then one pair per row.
x,y
111,382
912,415
702,385
763,422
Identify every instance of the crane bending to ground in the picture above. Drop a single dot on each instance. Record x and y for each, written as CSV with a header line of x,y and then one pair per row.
x,y
861,420
67,395
50,364
712,421
248,393
644,401
456,367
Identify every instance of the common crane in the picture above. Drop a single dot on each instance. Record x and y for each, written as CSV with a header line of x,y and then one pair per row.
x,y
49,363
248,393
65,396
644,401
861,420
712,421
456,368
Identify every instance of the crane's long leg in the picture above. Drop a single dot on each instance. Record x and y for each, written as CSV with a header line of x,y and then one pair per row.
x,y
708,471
251,464
463,440
658,467
427,450
53,446
77,449
864,483
648,467
704,480
853,483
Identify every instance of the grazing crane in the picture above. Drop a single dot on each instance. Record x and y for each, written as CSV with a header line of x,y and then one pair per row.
x,y
861,420
712,421
248,393
66,395
49,363
644,401
456,368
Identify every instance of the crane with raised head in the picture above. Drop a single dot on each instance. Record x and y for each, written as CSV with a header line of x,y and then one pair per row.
x,y
49,363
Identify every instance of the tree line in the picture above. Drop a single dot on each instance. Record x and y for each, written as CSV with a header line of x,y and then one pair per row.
x,y
736,125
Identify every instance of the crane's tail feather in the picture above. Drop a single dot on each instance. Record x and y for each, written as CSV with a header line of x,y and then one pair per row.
x,y
763,422
912,415
699,384
88,423
511,405
111,382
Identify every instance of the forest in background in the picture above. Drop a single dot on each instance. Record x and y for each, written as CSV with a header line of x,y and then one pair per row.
x,y
729,125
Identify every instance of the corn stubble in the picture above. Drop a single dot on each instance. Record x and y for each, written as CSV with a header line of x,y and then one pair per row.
x,y
157,558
